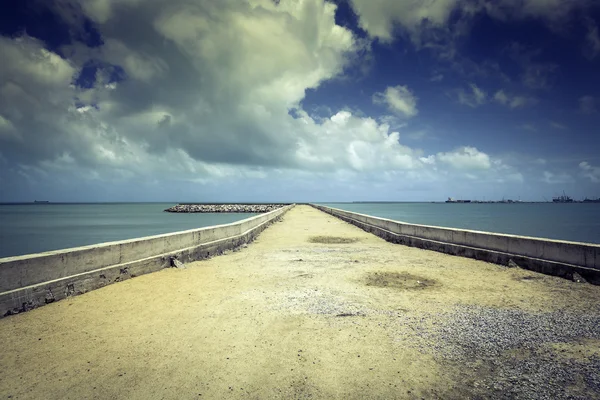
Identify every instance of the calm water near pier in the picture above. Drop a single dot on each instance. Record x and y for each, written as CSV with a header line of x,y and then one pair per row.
x,y
33,228
577,222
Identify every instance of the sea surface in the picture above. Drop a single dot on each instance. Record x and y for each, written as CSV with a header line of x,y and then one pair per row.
x,y
578,222
34,228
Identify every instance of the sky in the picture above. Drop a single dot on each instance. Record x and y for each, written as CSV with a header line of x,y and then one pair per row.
x,y
300,101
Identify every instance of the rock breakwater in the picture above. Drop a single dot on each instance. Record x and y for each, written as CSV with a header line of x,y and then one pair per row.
x,y
223,208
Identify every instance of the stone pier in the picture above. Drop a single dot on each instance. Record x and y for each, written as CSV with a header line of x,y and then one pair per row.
x,y
313,308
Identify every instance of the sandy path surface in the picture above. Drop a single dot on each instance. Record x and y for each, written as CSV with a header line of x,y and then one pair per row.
x,y
297,315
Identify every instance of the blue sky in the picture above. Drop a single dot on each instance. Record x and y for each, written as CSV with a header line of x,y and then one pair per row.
x,y
130,100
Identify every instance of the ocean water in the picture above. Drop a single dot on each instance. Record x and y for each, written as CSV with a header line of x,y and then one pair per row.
x,y
577,222
34,228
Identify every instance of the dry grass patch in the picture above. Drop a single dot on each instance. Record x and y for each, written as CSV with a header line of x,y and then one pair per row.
x,y
399,280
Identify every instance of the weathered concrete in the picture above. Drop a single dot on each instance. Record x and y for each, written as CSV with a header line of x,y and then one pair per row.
x,y
314,308
29,281
553,257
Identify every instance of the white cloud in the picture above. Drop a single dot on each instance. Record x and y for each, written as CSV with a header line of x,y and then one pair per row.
x,y
83,109
522,101
590,171
557,178
398,99
513,101
394,122
345,141
437,78
466,158
28,63
501,97
378,17
35,95
225,100
473,98
587,105
208,99
7,129
138,64
425,22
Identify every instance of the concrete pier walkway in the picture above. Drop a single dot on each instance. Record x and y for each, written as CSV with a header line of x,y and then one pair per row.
x,y
314,308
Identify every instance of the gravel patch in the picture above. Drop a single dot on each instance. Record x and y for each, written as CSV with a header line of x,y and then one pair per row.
x,y
312,302
499,353
506,354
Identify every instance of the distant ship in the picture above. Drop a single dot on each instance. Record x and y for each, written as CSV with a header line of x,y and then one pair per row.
x,y
586,200
451,200
506,201
562,199
41,201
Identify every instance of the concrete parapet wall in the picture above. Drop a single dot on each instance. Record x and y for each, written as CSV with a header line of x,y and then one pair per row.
x,y
32,280
553,257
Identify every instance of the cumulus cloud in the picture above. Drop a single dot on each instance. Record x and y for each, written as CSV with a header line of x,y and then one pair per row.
x,y
521,101
590,171
399,99
379,17
501,97
466,158
587,105
510,101
34,95
346,141
200,92
427,21
30,64
189,85
473,97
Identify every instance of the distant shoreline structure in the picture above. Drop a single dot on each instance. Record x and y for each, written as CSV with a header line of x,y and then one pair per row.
x,y
468,201
562,199
559,199
451,200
